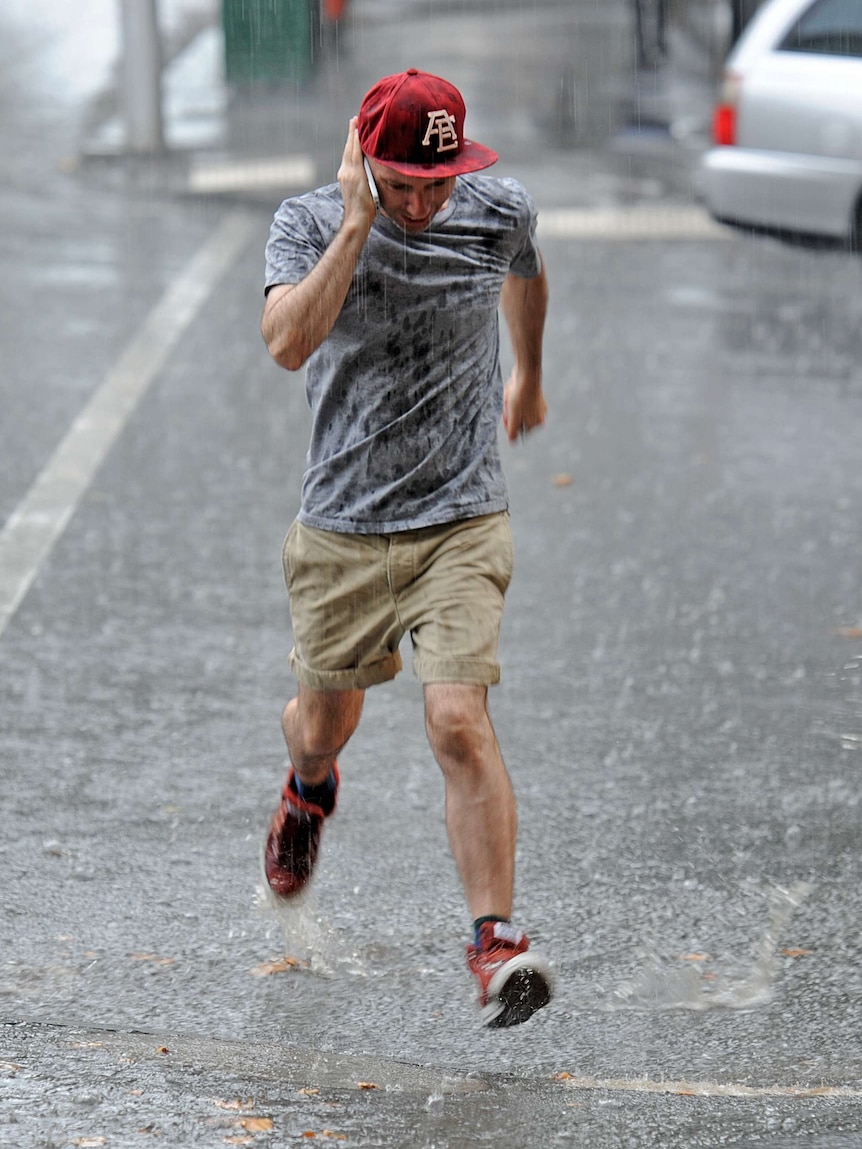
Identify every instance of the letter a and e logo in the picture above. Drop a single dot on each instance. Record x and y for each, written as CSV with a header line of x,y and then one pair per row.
x,y
442,125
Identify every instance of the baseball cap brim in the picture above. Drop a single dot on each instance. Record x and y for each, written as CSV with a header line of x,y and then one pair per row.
x,y
472,157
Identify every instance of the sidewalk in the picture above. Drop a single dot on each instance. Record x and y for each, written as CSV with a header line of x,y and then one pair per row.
x,y
545,83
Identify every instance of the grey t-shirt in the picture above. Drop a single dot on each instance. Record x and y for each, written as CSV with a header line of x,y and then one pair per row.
x,y
406,391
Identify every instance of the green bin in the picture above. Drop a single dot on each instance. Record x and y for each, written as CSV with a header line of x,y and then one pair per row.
x,y
269,41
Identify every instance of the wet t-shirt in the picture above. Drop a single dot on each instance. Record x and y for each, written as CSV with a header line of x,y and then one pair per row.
x,y
406,391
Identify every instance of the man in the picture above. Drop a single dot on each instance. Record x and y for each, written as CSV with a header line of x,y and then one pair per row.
x,y
403,526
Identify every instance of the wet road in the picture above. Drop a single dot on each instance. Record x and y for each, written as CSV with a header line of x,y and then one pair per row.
x,y
681,706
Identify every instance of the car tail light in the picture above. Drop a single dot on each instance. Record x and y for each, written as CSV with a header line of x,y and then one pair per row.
x,y
724,115
724,125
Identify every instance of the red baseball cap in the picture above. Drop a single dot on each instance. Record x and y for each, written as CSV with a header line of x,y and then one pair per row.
x,y
414,124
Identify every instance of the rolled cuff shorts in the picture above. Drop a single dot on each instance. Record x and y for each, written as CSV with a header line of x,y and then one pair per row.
x,y
354,597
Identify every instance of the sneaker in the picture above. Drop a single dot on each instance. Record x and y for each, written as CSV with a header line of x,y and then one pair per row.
x,y
513,983
292,842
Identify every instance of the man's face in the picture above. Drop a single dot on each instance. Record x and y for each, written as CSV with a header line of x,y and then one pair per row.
x,y
409,201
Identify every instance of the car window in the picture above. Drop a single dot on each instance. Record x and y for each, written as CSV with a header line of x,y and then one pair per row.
x,y
829,27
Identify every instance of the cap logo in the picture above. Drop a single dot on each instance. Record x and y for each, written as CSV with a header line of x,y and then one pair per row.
x,y
442,125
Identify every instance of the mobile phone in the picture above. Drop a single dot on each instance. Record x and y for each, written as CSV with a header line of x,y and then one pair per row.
x,y
372,186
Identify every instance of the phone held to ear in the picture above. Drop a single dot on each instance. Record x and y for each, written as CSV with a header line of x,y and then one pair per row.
x,y
372,186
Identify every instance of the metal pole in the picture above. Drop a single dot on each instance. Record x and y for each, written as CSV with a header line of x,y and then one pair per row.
x,y
142,76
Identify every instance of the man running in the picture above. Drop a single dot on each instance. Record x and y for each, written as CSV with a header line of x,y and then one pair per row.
x,y
403,526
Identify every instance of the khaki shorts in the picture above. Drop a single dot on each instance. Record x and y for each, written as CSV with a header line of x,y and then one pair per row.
x,y
353,598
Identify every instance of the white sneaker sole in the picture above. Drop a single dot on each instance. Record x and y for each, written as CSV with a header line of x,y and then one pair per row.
x,y
518,988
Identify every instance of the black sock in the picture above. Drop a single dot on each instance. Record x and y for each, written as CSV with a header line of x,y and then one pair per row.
x,y
479,922
322,795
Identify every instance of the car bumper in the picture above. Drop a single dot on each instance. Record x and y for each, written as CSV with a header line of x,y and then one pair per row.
x,y
806,195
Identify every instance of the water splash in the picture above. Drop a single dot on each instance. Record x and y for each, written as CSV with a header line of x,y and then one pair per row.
x,y
663,984
850,680
308,937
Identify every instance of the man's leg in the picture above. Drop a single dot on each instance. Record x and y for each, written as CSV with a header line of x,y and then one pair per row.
x,y
317,725
481,817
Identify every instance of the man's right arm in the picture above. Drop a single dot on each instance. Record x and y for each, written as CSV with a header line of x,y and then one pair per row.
x,y
298,317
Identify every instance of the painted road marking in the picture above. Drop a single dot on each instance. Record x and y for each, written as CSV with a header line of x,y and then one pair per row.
x,y
246,175
37,523
704,1088
628,223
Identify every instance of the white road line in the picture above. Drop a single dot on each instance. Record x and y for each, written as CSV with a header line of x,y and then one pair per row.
x,y
41,517
246,175
628,223
705,1088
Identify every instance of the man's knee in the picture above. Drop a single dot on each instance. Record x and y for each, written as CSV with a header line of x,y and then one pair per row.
x,y
456,721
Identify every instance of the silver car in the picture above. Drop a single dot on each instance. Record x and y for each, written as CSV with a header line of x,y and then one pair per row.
x,y
788,125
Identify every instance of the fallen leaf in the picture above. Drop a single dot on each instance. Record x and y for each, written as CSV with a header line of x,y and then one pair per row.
x,y
796,953
849,632
366,1085
308,1092
237,1140
564,1076
236,1104
255,1124
562,480
87,1045
90,1142
10,1066
695,957
309,1134
154,958
278,965
163,1049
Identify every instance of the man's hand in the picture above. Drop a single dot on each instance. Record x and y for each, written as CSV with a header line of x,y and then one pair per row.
x,y
524,406
358,204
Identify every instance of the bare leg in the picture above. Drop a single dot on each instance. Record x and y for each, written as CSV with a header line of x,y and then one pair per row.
x,y
317,725
481,817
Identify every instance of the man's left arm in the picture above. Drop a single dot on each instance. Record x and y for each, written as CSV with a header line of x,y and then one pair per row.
x,y
525,304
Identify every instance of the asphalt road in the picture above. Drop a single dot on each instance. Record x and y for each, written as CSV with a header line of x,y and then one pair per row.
x,y
681,704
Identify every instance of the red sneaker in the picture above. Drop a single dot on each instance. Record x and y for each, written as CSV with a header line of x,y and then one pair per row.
x,y
292,842
513,983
